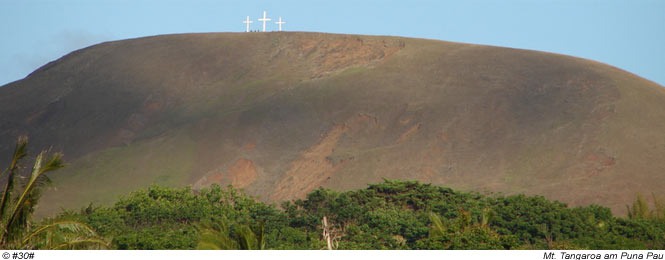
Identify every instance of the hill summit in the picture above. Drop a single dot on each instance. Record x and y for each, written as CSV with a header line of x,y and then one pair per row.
x,y
280,114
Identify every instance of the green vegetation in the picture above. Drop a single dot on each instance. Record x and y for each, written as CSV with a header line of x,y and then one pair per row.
x,y
388,215
162,164
640,208
218,236
16,229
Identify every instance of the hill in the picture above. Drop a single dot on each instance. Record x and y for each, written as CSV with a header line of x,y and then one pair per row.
x,y
281,114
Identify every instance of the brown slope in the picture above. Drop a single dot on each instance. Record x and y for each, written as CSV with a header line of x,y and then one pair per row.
x,y
283,113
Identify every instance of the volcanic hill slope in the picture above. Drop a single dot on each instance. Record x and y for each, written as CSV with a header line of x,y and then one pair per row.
x,y
282,113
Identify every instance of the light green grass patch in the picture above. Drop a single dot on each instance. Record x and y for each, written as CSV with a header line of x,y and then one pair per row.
x,y
105,174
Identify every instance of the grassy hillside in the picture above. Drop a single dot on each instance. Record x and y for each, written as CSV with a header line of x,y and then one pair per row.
x,y
281,114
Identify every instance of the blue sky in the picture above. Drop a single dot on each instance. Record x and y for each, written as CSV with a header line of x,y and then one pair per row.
x,y
627,34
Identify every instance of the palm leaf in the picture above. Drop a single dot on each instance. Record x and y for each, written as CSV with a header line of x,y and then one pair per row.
x,y
64,234
203,245
19,153
215,237
261,237
245,237
82,243
16,211
31,191
438,229
68,225
218,236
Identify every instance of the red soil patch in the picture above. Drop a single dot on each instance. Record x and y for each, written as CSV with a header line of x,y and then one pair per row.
x,y
361,121
333,54
443,137
597,162
34,116
366,117
137,122
603,112
152,106
408,133
427,176
249,147
600,159
214,178
313,168
242,173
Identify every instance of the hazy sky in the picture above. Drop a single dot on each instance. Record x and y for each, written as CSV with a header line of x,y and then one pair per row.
x,y
627,34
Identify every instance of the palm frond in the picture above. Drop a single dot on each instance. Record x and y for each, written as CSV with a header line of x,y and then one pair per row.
x,y
83,243
245,237
215,236
204,245
20,151
219,236
261,237
4,173
16,211
438,229
31,191
66,225
64,234
216,241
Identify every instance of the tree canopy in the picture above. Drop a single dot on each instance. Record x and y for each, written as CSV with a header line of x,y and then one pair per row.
x,y
389,215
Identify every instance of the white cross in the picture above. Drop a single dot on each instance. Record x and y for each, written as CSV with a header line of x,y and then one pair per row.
x,y
280,23
247,22
264,20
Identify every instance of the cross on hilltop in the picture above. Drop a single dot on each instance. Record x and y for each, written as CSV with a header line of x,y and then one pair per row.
x,y
265,19
247,22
